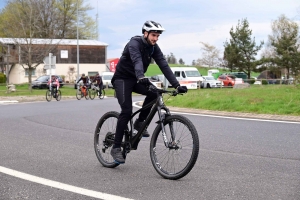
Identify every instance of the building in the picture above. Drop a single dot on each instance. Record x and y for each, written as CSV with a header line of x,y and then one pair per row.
x,y
92,58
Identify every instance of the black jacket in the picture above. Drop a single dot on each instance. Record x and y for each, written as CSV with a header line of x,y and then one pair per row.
x,y
136,58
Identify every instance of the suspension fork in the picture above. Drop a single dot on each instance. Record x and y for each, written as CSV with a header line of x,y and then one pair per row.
x,y
162,118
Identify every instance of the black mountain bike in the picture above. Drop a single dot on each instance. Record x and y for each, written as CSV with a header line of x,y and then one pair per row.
x,y
95,91
174,145
53,92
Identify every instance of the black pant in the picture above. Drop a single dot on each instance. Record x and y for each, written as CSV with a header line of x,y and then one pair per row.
x,y
124,89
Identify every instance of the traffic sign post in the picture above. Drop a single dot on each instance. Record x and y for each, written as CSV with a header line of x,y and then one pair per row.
x,y
50,62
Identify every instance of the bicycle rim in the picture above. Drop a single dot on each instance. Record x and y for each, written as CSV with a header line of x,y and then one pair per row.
x,y
58,97
86,95
78,94
48,95
92,94
176,162
102,95
103,138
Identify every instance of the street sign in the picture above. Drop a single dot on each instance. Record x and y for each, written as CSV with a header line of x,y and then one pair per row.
x,y
46,61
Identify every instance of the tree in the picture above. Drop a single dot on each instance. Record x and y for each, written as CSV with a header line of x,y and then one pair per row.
x,y
241,50
27,20
181,61
193,62
284,43
210,55
171,59
55,19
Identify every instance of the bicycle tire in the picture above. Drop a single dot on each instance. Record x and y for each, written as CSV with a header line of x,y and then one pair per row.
x,y
102,95
92,94
106,125
58,96
78,94
175,163
86,95
48,95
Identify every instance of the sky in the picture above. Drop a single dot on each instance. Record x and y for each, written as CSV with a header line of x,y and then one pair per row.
x,y
187,22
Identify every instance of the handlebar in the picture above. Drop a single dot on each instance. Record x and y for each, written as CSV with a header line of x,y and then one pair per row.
x,y
162,91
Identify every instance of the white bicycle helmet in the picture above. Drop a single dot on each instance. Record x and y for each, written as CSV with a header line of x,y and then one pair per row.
x,y
151,26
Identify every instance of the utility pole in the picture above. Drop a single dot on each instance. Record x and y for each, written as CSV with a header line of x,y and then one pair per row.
x,y
77,45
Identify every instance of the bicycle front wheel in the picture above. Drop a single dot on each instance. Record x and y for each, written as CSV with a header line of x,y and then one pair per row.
x,y
58,95
92,94
178,159
78,94
86,94
48,95
102,94
104,138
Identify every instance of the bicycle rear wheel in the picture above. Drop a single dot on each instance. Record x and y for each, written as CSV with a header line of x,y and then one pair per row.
x,y
78,94
58,95
48,95
178,159
104,138
102,95
92,94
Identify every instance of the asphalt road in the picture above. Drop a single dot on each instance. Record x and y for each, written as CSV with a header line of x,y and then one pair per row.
x,y
46,152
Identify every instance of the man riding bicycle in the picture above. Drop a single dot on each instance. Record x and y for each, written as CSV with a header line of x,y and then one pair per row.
x,y
99,83
54,84
84,81
129,77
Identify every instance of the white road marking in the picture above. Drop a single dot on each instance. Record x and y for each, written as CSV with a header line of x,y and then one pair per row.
x,y
10,101
226,117
59,185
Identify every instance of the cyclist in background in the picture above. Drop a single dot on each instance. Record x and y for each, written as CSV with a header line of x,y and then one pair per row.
x,y
99,83
130,77
85,81
54,84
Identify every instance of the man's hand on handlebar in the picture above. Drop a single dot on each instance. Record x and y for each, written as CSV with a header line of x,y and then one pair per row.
x,y
182,89
144,81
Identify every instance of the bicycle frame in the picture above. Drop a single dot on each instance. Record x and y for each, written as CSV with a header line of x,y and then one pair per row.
x,y
157,106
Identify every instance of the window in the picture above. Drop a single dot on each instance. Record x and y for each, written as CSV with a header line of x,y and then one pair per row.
x,y
32,72
177,74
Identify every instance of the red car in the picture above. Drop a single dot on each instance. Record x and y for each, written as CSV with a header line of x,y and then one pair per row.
x,y
228,80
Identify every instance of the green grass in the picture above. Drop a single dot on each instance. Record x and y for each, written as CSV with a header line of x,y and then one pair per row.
x,y
261,99
22,90
269,99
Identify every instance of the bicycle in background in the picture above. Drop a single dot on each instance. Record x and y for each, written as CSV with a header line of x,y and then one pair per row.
x,y
82,91
96,90
53,92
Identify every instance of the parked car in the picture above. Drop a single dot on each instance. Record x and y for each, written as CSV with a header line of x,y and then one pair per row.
x,y
158,78
155,82
230,80
41,82
210,82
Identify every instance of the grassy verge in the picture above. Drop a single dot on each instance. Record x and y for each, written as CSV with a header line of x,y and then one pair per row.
x,y
269,99
22,90
261,99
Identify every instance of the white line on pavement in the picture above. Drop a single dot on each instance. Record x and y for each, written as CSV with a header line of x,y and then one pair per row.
x,y
59,185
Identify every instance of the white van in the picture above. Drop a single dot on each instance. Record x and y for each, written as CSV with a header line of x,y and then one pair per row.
x,y
187,76
106,79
